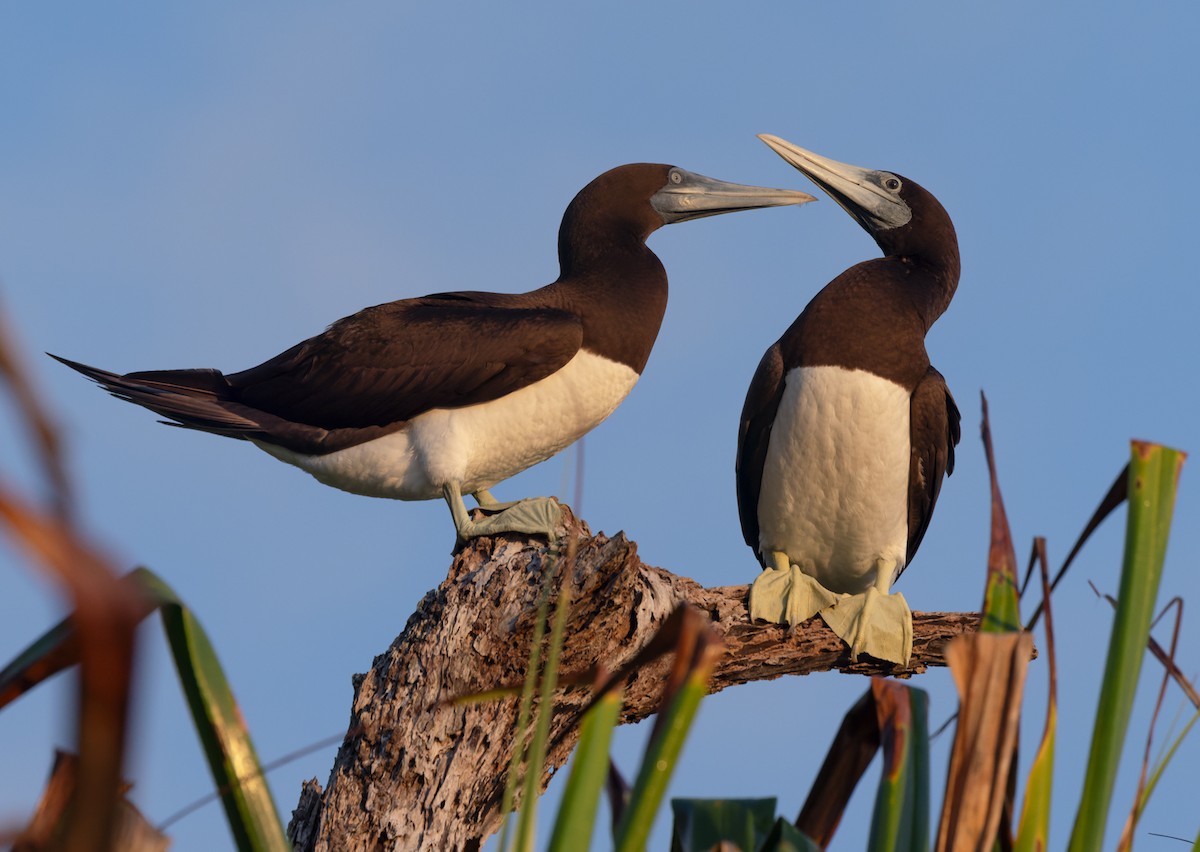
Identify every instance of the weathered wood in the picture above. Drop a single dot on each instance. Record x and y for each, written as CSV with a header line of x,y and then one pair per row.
x,y
417,772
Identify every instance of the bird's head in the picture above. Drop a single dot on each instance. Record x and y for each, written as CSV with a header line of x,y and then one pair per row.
x,y
903,217
639,198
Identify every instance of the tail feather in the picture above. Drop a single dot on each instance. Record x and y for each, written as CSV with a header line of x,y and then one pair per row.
x,y
197,399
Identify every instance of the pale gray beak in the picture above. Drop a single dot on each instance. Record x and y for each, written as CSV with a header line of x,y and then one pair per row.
x,y
692,196
872,197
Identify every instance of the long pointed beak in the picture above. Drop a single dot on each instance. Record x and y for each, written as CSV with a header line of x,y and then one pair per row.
x,y
860,192
692,196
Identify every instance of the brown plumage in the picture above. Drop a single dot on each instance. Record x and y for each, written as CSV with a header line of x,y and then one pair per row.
x,y
873,317
370,377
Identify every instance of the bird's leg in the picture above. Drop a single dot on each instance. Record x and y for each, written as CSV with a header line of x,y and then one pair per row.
x,y
489,503
535,516
783,594
875,622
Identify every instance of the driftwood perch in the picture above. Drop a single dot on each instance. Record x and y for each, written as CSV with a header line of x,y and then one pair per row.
x,y
417,773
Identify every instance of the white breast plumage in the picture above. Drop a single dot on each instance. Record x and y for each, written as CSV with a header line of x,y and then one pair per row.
x,y
834,492
477,445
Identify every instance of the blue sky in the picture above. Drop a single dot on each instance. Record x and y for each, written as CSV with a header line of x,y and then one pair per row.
x,y
203,186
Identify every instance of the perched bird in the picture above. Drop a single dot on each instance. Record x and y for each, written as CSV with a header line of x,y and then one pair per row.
x,y
451,393
847,429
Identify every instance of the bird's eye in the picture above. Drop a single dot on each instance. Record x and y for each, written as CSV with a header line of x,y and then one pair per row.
x,y
676,177
892,183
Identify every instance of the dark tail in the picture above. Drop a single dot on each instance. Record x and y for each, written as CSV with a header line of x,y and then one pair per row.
x,y
196,399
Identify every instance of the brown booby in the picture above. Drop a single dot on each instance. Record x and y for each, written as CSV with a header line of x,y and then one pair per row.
x,y
847,429
450,393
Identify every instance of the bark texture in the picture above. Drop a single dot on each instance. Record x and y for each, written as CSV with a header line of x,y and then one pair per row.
x,y
417,772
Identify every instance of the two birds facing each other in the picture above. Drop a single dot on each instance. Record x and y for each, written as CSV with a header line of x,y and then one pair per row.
x,y
846,432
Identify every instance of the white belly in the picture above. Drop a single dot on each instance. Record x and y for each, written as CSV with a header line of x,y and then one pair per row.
x,y
835,486
478,445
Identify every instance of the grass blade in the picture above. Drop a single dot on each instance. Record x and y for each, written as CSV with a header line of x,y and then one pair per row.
x,y
701,825
785,837
1033,830
253,819
525,711
662,753
541,733
1001,608
249,808
1145,786
589,771
848,757
106,615
901,817
989,671
49,654
54,651
657,766
1157,772
1153,478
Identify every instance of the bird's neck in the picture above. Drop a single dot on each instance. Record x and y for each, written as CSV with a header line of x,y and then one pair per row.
x,y
592,246
936,279
621,296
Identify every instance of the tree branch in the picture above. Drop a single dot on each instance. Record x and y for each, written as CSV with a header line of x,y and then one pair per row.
x,y
416,771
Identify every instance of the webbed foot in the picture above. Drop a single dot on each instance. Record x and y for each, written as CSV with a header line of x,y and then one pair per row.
x,y
874,623
784,594
535,516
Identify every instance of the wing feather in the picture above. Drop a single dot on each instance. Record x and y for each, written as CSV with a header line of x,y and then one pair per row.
x,y
935,430
386,364
367,374
754,436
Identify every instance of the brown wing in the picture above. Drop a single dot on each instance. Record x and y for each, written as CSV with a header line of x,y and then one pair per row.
x,y
935,430
368,373
754,434
388,363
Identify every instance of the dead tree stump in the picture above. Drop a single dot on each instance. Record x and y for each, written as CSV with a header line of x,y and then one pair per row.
x,y
417,772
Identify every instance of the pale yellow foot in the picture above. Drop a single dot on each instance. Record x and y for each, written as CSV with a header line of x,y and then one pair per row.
x,y
874,623
534,516
784,594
